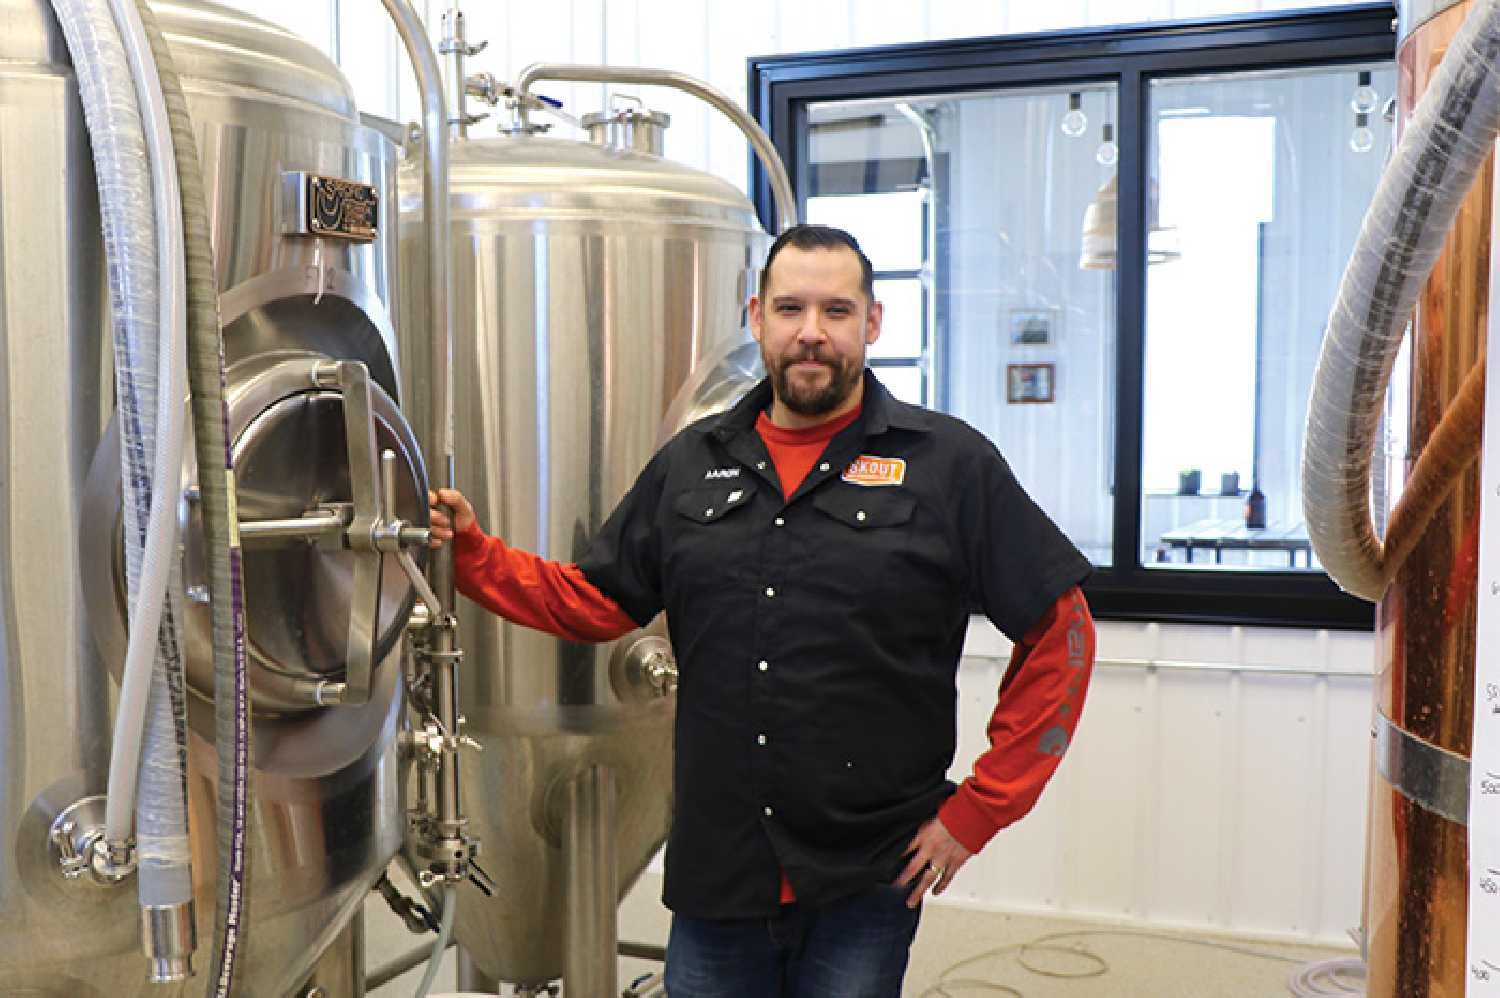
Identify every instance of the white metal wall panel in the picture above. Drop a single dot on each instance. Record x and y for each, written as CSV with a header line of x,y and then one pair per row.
x,y
1222,787
1271,820
1109,802
1344,780
735,32
879,22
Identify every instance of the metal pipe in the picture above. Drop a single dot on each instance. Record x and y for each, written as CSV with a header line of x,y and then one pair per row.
x,y
439,443
294,528
642,951
445,705
592,887
455,46
781,184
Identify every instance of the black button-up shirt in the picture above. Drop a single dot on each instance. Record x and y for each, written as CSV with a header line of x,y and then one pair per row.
x,y
818,636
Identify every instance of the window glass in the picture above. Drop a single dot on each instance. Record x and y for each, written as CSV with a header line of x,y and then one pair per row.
x,y
887,224
1022,339
1258,186
904,381
902,325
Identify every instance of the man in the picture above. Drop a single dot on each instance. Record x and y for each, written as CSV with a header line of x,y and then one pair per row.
x,y
818,549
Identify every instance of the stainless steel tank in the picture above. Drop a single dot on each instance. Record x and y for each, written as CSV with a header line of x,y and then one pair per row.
x,y
276,125
589,281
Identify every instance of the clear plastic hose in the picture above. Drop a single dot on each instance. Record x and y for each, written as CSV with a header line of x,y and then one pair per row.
x,y
225,569
111,110
445,932
161,810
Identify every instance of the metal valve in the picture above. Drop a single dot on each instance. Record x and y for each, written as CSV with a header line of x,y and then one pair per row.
x,y
430,742
644,670
660,670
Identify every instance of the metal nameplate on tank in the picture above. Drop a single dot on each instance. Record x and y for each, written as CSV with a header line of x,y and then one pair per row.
x,y
329,206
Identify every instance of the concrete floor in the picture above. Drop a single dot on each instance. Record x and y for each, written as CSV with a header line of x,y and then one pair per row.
x,y
962,952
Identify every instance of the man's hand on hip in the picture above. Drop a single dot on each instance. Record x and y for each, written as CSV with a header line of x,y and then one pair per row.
x,y
936,857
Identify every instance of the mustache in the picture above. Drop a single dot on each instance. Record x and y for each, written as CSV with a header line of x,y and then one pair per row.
x,y
809,354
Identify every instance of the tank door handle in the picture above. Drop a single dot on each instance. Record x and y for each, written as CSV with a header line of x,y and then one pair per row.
x,y
352,379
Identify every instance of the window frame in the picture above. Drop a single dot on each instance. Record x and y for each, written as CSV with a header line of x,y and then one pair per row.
x,y
1130,56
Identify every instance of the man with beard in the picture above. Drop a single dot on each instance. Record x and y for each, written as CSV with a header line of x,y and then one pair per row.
x,y
818,549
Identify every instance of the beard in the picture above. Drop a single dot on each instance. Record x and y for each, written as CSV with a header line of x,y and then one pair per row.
x,y
817,399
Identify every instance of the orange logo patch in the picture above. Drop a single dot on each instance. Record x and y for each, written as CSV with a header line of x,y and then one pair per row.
x,y
869,470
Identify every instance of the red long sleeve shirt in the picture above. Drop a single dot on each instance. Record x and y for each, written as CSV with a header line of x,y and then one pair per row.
x,y
1039,701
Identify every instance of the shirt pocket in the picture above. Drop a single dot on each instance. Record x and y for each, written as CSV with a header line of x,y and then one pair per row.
x,y
709,541
713,504
874,554
863,510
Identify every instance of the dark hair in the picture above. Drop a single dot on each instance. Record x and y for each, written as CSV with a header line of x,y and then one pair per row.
x,y
811,237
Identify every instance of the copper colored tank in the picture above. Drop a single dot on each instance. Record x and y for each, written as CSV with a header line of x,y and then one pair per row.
x,y
1416,896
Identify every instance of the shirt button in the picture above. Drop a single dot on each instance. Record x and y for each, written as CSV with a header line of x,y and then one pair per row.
x,y
760,466
770,592
710,512
860,516
823,466
760,739
768,810
780,521
763,665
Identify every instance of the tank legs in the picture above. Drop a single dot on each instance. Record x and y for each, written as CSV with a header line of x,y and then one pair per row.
x,y
592,883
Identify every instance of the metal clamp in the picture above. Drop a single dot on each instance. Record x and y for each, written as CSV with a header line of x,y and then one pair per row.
x,y
76,839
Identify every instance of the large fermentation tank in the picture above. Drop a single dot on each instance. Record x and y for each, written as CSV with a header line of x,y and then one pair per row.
x,y
270,112
1416,894
589,281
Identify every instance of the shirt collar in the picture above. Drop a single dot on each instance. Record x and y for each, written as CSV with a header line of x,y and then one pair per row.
x,y
881,411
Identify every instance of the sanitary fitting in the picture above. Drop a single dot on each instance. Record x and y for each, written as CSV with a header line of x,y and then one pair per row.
x,y
169,935
428,744
645,670
112,861
660,670
76,838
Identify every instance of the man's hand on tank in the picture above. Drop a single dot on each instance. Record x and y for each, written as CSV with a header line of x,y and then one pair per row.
x,y
936,857
444,526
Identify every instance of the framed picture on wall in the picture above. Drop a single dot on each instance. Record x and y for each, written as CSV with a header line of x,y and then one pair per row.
x,y
1029,383
1034,327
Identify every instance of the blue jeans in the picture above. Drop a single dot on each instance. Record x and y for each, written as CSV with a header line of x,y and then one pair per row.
x,y
856,947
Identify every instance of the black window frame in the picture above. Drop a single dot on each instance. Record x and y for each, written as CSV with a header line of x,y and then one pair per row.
x,y
1130,56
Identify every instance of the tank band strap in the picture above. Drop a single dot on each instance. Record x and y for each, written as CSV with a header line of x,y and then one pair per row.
x,y
1429,776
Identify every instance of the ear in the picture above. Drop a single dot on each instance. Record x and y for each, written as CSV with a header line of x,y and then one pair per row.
x,y
873,322
757,317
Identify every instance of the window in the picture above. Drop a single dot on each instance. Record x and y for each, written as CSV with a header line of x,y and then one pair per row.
x,y
1263,178
1113,252
891,227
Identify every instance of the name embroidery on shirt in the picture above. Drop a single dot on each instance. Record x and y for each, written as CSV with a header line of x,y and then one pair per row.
x,y
721,473
870,470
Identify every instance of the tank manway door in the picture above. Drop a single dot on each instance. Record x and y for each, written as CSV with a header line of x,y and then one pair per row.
x,y
333,517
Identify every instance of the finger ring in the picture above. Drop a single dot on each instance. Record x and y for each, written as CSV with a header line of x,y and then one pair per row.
x,y
937,870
